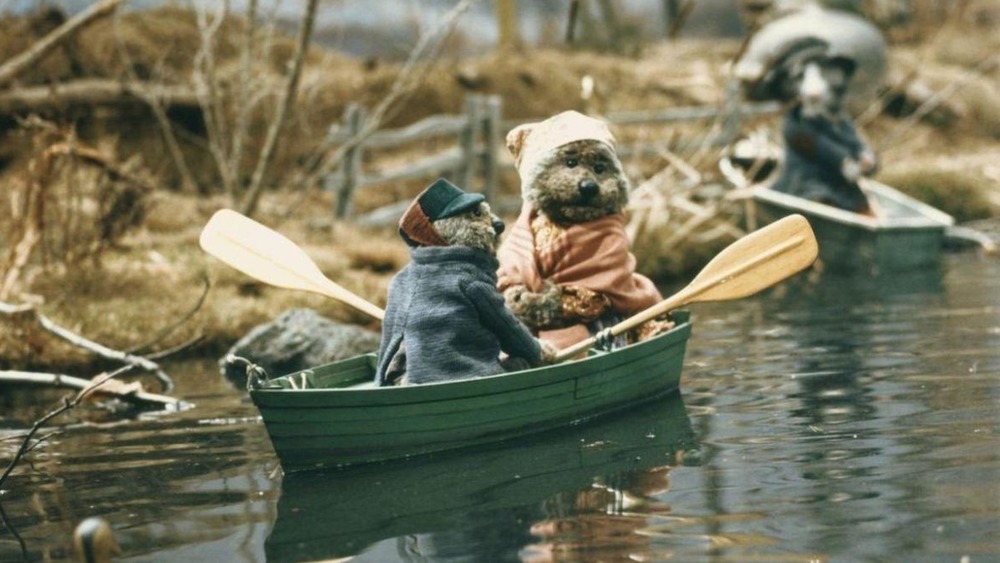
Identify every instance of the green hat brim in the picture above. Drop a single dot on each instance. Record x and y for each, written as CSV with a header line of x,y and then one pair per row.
x,y
462,203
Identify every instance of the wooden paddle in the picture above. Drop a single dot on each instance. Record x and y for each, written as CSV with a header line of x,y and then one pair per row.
x,y
754,262
265,254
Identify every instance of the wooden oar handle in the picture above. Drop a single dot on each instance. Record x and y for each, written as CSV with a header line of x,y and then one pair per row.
x,y
635,320
752,263
572,351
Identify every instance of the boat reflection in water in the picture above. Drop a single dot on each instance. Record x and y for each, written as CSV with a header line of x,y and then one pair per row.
x,y
857,338
848,330
517,500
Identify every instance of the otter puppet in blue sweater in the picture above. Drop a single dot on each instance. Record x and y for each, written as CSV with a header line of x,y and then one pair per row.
x,y
445,318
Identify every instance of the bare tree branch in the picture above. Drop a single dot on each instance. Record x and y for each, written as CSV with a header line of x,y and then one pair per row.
x,y
32,224
168,330
267,152
207,86
243,100
90,345
122,391
410,76
92,92
15,66
934,101
154,97
20,540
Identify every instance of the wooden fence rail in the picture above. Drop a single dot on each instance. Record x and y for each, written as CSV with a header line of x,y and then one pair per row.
x,y
478,151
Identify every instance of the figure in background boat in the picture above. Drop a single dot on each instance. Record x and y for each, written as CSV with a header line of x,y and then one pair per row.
x,y
824,156
821,62
444,318
566,268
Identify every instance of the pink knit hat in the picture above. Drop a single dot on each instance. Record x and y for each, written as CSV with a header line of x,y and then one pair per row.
x,y
531,143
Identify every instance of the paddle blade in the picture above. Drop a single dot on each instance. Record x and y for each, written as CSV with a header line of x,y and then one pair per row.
x,y
758,261
266,255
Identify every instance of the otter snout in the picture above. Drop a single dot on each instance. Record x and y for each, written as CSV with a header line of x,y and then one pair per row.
x,y
498,226
588,188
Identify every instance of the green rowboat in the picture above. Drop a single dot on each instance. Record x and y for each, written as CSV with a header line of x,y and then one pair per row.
x,y
333,415
907,234
335,514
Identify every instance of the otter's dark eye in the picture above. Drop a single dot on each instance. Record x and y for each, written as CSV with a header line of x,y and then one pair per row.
x,y
572,161
600,168
477,212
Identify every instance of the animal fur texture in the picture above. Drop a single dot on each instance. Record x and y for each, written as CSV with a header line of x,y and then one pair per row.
x,y
581,274
476,228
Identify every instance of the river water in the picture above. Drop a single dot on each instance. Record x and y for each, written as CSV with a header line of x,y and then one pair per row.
x,y
832,418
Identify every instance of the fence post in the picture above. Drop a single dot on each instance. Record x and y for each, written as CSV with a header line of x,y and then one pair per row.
x,y
732,118
354,121
470,139
492,141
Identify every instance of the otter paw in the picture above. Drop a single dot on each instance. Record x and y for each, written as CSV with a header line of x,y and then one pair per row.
x,y
549,352
537,310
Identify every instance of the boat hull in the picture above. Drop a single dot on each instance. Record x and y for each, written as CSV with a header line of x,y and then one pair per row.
x,y
328,515
333,421
907,234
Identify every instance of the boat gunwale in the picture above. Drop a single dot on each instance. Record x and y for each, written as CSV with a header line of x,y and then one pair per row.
x,y
930,218
472,387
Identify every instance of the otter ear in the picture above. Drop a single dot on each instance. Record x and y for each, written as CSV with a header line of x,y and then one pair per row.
x,y
516,138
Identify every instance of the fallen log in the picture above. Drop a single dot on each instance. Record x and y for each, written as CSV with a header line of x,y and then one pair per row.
x,y
124,392
94,92
10,69
29,312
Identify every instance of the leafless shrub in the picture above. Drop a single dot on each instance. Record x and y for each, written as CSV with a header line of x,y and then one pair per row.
x,y
70,203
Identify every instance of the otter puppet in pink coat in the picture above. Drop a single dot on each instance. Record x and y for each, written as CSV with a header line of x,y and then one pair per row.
x,y
565,268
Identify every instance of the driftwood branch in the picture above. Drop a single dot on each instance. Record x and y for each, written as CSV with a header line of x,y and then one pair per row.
x,y
93,92
285,103
67,404
15,66
125,392
86,344
99,159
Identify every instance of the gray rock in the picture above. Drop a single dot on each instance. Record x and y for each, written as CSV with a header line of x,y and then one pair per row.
x,y
296,340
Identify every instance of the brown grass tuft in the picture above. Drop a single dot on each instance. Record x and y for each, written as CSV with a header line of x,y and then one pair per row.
x,y
960,193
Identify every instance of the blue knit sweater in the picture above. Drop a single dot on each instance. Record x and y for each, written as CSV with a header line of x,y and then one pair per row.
x,y
815,148
445,305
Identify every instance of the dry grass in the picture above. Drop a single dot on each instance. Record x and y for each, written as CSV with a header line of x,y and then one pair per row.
x,y
154,274
960,193
157,274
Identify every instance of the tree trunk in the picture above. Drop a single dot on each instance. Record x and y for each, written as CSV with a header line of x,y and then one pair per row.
x,y
506,11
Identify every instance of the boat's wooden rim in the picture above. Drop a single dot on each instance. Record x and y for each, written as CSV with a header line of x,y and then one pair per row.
x,y
444,390
929,216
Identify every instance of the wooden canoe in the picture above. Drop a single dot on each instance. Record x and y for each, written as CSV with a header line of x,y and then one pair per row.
x,y
326,515
333,416
905,234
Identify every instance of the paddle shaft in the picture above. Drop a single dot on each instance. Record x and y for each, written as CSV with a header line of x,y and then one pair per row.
x,y
732,274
